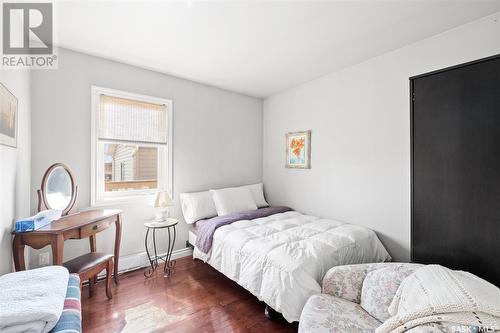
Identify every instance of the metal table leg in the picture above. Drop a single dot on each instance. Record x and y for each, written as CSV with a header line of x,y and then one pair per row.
x,y
169,264
167,258
149,272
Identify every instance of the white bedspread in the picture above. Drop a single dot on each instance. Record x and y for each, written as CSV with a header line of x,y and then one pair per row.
x,y
32,301
282,258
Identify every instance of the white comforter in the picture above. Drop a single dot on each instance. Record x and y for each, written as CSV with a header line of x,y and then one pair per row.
x,y
282,258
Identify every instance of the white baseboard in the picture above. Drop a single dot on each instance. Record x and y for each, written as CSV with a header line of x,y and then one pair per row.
x,y
136,261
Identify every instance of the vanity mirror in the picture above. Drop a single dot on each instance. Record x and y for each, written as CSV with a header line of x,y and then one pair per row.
x,y
58,190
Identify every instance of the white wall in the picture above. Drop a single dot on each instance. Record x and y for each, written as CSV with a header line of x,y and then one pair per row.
x,y
217,136
360,125
15,167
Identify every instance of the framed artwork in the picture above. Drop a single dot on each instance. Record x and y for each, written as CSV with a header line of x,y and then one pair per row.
x,y
298,150
8,117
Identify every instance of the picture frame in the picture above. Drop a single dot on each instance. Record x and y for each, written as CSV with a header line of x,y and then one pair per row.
x,y
298,150
8,117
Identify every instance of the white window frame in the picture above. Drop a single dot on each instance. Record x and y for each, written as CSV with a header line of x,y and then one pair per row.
x,y
98,197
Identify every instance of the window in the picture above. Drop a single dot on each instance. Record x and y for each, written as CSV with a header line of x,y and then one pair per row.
x,y
131,145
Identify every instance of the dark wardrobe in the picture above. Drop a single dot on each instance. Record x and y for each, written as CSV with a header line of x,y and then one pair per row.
x,y
455,175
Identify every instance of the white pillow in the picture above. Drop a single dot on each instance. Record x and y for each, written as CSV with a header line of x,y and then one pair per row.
x,y
257,191
232,200
197,206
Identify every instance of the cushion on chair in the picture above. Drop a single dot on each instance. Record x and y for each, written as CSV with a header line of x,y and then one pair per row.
x,y
86,261
346,281
380,286
325,313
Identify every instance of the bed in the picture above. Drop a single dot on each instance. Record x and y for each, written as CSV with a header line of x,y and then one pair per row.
x,y
281,255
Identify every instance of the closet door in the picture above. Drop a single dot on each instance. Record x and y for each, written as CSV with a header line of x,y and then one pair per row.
x,y
456,168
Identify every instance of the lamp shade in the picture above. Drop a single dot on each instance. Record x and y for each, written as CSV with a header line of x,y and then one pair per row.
x,y
163,200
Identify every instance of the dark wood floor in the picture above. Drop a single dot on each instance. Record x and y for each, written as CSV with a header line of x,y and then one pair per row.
x,y
196,298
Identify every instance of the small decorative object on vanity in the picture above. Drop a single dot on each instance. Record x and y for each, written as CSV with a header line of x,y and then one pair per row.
x,y
298,150
168,224
162,202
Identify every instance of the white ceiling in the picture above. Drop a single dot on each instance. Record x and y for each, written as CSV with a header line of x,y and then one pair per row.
x,y
256,48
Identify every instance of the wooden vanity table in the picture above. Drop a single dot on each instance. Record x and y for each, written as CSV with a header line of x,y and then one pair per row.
x,y
60,191
80,225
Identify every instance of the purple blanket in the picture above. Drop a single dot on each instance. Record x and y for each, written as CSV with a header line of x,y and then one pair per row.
x,y
206,228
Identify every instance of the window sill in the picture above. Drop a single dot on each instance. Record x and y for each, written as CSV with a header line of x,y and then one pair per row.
x,y
133,199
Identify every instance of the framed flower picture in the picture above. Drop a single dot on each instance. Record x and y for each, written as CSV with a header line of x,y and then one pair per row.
x,y
8,117
298,150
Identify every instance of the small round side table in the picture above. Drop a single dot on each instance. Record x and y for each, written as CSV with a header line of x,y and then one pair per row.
x,y
168,224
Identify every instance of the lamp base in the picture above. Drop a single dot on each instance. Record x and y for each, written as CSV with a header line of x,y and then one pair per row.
x,y
161,215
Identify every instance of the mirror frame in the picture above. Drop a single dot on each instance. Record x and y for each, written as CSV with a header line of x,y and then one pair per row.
x,y
42,195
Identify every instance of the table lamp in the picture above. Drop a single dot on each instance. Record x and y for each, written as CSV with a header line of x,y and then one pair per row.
x,y
162,202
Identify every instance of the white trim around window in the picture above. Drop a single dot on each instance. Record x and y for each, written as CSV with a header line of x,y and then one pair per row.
x,y
98,196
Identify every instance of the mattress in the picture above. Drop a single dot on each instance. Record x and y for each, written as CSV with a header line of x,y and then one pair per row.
x,y
282,258
192,234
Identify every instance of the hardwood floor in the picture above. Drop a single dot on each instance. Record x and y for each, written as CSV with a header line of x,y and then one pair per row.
x,y
196,298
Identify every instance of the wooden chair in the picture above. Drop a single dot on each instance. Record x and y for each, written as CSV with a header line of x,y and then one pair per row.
x,y
87,266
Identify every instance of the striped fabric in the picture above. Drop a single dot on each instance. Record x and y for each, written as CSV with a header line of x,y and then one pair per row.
x,y
71,317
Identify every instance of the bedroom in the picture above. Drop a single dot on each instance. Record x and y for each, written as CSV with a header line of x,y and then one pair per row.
x,y
313,100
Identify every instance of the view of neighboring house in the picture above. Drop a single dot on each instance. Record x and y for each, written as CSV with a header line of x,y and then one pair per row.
x,y
108,171
130,167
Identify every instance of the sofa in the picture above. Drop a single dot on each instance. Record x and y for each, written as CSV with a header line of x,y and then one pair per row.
x,y
356,298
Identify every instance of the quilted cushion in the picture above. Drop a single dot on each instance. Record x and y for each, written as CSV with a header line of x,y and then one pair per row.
x,y
324,313
380,286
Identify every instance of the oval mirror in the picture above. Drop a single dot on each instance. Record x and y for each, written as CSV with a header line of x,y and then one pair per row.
x,y
58,188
